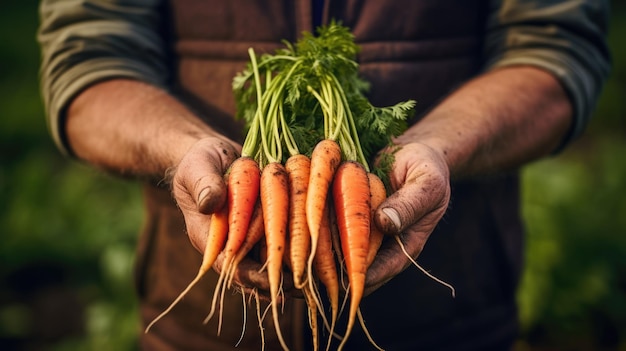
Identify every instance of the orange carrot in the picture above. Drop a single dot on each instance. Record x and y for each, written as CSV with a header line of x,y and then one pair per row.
x,y
336,242
325,159
326,269
218,230
243,192
378,194
256,231
298,168
351,196
275,202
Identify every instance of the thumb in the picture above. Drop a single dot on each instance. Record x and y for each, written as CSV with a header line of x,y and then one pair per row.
x,y
393,215
199,191
203,184
200,179
211,193
414,201
390,220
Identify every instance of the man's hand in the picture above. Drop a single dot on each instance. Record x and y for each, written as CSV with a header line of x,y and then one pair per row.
x,y
477,130
421,182
199,189
198,185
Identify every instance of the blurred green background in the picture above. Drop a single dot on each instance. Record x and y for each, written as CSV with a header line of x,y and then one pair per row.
x,y
67,232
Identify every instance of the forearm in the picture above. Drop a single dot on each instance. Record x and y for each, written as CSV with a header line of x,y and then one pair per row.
x,y
132,128
496,122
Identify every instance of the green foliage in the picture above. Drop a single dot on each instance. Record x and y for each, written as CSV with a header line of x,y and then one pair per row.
x,y
573,293
68,232
315,84
575,266
383,123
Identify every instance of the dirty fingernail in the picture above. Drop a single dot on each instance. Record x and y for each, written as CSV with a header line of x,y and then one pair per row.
x,y
203,194
393,216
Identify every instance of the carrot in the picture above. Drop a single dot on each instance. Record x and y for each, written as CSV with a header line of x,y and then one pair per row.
x,y
275,202
336,245
310,301
243,192
378,194
256,231
351,196
298,168
326,269
325,159
216,238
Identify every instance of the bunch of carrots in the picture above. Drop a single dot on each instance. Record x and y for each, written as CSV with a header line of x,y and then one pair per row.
x,y
304,187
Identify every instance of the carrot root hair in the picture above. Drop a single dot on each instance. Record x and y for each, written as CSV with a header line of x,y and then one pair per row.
x,y
218,230
326,271
428,274
366,331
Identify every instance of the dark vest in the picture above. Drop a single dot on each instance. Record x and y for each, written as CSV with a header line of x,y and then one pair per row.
x,y
412,49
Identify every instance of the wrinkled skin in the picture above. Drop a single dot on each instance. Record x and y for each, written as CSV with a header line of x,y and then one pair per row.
x,y
421,183
199,189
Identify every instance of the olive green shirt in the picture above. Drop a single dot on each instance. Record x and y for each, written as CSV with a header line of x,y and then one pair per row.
x,y
87,41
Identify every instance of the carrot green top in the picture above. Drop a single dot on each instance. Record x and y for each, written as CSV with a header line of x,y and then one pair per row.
x,y
312,88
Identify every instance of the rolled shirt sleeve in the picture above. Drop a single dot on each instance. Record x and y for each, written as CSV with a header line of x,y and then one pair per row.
x,y
87,41
566,38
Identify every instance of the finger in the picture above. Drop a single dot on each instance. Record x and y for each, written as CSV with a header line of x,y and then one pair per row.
x,y
201,176
197,229
198,185
418,198
197,199
249,274
209,190
260,289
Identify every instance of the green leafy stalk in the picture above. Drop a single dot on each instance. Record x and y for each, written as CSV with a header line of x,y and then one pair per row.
x,y
250,145
312,90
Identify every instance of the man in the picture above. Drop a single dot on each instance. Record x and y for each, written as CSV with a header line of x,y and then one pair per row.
x,y
142,89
